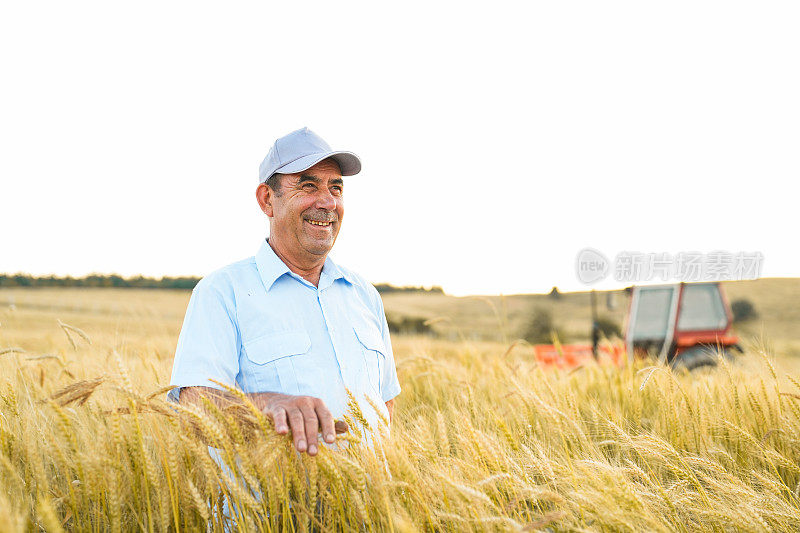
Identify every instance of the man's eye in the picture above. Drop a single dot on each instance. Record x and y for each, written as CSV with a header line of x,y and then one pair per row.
x,y
337,189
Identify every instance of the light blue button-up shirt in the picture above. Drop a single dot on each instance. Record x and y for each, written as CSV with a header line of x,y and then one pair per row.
x,y
256,325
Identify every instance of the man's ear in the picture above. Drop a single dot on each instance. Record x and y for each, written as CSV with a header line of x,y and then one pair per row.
x,y
264,196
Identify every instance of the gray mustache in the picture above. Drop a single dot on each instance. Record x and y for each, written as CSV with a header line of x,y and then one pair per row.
x,y
321,216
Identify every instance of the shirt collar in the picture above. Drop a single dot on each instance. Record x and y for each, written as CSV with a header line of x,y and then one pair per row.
x,y
271,267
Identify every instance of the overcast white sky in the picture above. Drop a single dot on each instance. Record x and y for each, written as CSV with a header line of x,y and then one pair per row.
x,y
497,139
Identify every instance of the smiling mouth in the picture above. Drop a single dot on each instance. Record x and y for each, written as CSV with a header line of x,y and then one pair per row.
x,y
318,223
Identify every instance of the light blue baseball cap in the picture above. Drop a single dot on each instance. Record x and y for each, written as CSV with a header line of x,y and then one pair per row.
x,y
300,150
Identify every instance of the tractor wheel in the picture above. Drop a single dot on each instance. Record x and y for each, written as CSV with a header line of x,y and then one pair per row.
x,y
698,356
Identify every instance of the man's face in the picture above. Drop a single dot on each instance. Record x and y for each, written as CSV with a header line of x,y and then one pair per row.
x,y
307,215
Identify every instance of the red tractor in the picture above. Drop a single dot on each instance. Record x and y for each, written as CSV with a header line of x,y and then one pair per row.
x,y
684,324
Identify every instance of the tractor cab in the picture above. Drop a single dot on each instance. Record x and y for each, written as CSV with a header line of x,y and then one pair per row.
x,y
684,324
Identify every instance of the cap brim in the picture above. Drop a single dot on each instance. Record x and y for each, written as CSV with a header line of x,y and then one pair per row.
x,y
348,162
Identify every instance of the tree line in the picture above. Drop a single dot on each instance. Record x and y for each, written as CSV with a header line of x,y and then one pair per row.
x,y
98,280
142,282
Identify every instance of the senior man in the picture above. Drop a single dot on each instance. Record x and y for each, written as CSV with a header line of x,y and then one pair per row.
x,y
289,327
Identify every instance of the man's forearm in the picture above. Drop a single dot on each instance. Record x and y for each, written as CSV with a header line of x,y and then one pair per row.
x,y
222,398
306,416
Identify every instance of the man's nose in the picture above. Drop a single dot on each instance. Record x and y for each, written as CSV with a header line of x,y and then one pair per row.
x,y
325,200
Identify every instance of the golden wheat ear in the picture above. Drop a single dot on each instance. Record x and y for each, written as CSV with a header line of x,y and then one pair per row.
x,y
66,328
76,392
263,421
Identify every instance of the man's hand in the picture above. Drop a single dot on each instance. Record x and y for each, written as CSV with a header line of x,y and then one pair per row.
x,y
305,415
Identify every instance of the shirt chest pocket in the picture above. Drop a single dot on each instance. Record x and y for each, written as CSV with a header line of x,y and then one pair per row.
x,y
270,361
374,353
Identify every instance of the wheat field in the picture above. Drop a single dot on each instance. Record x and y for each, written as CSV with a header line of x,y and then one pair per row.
x,y
483,438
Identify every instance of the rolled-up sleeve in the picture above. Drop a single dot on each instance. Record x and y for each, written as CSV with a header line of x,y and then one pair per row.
x,y
209,342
